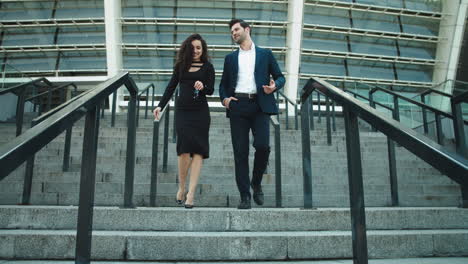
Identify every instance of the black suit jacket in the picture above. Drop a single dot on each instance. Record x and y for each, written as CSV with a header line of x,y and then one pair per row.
x,y
265,66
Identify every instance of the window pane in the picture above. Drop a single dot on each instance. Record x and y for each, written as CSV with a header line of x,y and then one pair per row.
x,y
389,3
33,61
26,10
424,5
28,36
81,60
81,35
411,72
153,59
372,70
148,34
324,41
373,46
80,9
373,21
420,26
417,49
326,16
325,66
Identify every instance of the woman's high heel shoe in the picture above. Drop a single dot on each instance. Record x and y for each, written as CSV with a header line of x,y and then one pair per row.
x,y
180,202
186,205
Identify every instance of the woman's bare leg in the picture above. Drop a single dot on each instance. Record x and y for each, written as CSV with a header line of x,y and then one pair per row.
x,y
195,168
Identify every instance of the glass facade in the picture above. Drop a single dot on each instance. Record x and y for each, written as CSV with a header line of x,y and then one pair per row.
x,y
390,42
386,42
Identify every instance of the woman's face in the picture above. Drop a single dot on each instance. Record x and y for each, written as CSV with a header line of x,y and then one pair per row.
x,y
197,50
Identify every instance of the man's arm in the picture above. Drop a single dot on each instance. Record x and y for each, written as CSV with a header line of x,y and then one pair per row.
x,y
275,71
223,83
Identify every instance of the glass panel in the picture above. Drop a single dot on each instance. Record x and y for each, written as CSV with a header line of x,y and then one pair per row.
x,y
389,3
28,36
326,16
33,61
20,10
81,35
260,11
373,46
368,69
425,5
148,59
374,21
418,49
411,72
420,26
324,41
81,60
148,34
80,9
325,66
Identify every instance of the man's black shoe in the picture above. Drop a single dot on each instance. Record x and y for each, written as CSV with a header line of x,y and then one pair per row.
x,y
244,203
257,194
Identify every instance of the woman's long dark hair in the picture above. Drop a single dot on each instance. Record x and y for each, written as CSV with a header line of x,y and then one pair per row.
x,y
185,54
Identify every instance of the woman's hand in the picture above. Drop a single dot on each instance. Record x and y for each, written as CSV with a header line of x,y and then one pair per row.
x,y
157,112
198,85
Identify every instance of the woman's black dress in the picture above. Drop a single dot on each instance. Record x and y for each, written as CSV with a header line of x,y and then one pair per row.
x,y
192,112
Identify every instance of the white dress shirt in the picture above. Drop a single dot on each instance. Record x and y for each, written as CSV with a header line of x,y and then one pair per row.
x,y
245,78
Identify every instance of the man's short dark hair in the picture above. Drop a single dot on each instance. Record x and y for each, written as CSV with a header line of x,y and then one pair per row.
x,y
241,22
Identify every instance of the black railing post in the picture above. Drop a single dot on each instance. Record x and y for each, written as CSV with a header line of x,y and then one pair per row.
x,y
131,140
333,117
28,176
114,102
396,109
296,122
306,156
66,149
440,135
20,112
152,99
372,104
424,115
146,106
311,112
49,98
393,172
460,142
138,111
103,106
327,104
166,140
319,104
154,164
87,185
278,183
356,192
287,113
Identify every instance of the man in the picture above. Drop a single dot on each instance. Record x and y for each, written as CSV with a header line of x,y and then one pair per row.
x,y
246,91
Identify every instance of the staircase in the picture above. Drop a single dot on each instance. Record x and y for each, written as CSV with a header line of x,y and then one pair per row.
x,y
428,224
419,184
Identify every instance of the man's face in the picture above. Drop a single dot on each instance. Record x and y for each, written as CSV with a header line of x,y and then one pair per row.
x,y
238,33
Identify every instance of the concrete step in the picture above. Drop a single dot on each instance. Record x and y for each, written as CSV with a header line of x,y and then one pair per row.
x,y
230,220
217,246
425,260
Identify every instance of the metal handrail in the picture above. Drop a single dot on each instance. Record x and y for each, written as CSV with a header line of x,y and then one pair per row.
x,y
289,101
276,126
459,125
24,147
154,159
365,98
438,113
451,164
25,85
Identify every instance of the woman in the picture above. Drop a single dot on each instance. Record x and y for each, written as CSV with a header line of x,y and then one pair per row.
x,y
195,76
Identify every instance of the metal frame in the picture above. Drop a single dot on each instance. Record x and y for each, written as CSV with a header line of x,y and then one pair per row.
x,y
374,9
369,33
306,76
366,57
